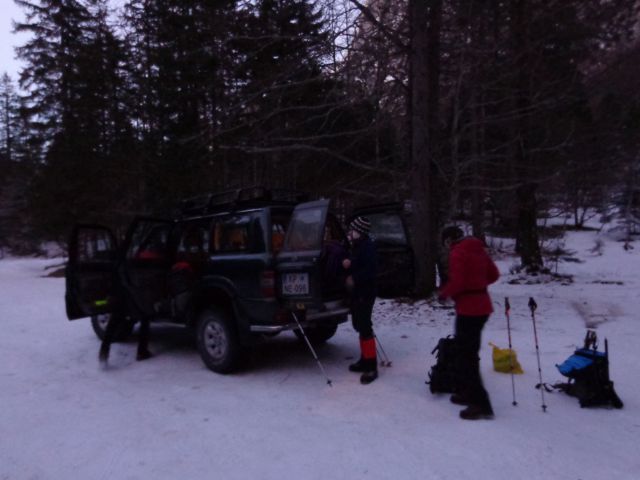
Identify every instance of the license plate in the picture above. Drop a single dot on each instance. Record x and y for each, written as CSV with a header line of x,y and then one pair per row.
x,y
295,284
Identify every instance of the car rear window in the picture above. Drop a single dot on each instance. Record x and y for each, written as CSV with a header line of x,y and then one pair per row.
x,y
387,228
305,230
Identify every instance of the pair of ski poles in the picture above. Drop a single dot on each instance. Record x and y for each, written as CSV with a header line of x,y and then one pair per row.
x,y
385,361
533,307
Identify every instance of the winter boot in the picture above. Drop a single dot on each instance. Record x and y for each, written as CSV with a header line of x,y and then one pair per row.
x,y
474,412
459,399
143,354
369,376
143,340
359,366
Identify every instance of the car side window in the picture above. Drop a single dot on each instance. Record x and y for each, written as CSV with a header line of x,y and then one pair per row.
x,y
150,241
95,246
237,234
193,242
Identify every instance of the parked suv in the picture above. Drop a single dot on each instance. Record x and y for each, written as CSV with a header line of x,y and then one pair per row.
x,y
235,266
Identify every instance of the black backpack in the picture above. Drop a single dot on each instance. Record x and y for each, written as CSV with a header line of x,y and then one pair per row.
x,y
442,377
588,373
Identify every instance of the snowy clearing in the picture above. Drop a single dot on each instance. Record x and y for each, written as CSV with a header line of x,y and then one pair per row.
x,y
61,416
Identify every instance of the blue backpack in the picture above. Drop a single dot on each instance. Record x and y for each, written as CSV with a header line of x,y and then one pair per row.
x,y
588,373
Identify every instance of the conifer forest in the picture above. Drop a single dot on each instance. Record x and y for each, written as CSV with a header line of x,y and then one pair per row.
x,y
486,111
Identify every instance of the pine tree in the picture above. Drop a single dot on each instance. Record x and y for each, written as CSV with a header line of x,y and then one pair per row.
x,y
284,98
73,108
177,74
9,119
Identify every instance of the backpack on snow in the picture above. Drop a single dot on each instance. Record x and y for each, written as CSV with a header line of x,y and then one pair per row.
x,y
442,376
588,373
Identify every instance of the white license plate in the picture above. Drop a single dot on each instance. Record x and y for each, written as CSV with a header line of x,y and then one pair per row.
x,y
295,284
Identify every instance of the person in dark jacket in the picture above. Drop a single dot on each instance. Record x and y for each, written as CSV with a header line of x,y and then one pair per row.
x,y
361,281
471,270
125,304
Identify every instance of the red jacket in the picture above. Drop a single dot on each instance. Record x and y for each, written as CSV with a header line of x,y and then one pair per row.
x,y
471,270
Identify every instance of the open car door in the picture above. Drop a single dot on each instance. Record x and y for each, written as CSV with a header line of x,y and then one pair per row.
x,y
301,278
149,252
390,234
90,273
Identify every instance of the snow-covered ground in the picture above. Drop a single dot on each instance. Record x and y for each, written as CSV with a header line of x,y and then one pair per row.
x,y
61,416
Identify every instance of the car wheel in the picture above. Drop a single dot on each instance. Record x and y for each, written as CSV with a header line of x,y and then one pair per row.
x,y
100,322
317,334
217,341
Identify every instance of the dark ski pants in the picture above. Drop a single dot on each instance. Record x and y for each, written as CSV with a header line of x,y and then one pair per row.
x,y
468,335
116,322
126,304
361,310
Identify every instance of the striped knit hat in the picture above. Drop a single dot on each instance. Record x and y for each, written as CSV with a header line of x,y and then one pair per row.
x,y
362,225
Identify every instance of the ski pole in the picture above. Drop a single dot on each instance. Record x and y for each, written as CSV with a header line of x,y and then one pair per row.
x,y
507,309
533,306
385,358
313,352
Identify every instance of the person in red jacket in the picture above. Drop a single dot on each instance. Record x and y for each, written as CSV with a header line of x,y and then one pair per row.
x,y
471,270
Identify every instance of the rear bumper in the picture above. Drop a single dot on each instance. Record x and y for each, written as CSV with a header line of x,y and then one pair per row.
x,y
331,312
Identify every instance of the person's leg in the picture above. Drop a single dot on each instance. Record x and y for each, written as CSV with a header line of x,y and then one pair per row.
x,y
357,322
468,337
367,342
461,366
113,325
143,339
361,315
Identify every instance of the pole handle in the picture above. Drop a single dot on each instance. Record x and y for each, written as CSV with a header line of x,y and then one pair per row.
x,y
532,304
507,305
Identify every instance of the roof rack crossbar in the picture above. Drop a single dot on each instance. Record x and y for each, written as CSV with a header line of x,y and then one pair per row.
x,y
202,204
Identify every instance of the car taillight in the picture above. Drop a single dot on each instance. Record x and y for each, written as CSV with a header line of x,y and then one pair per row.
x,y
268,283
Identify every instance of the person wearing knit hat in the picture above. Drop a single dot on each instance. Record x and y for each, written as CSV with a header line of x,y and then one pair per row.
x,y
361,281
362,225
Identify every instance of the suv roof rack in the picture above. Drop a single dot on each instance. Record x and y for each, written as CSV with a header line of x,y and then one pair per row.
x,y
240,197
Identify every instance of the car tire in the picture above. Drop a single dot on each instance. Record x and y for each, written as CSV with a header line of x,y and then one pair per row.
x,y
99,324
217,341
317,334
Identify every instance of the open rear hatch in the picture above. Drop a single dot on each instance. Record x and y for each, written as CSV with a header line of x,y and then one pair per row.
x,y
308,277
390,233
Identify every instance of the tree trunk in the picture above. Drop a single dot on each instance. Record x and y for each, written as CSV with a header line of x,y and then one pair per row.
x,y
423,63
527,244
529,247
477,210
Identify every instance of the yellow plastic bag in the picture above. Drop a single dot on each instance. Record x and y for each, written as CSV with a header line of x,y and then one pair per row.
x,y
505,360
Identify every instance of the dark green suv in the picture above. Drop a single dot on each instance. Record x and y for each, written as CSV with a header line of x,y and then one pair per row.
x,y
235,266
